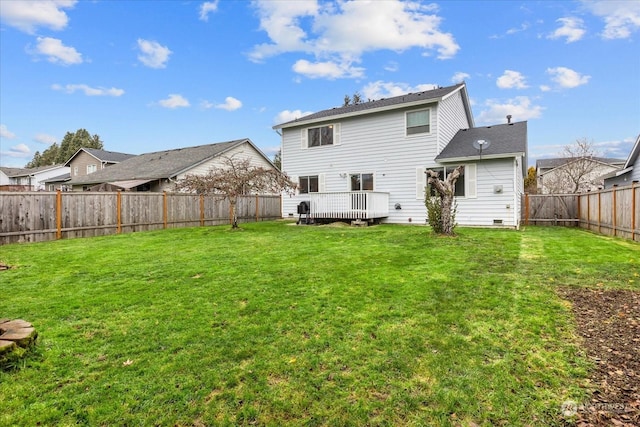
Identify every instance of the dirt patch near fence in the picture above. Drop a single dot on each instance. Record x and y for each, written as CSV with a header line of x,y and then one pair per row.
x,y
608,321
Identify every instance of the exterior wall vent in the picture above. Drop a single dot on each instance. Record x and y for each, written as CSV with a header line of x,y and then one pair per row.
x,y
497,222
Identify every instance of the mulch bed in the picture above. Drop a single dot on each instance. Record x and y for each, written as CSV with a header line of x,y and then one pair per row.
x,y
609,323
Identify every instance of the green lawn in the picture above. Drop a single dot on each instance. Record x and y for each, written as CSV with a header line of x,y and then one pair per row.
x,y
283,325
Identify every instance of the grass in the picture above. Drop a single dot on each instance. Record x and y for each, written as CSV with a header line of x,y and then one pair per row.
x,y
282,325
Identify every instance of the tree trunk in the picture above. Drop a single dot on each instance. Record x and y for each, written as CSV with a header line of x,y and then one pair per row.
x,y
447,223
234,216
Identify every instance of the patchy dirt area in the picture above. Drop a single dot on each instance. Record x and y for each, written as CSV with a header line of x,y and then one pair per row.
x,y
609,323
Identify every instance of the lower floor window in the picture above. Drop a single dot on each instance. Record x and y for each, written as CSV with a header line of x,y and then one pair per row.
x,y
308,184
361,182
443,173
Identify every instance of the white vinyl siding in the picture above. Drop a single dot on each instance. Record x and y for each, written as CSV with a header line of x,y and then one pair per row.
x,y
450,119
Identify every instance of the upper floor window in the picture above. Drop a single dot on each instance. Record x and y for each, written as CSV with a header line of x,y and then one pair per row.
x,y
418,122
308,184
321,135
91,168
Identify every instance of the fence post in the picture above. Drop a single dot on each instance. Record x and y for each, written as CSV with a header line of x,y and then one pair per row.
x,y
613,210
579,217
119,212
257,210
202,210
59,215
526,208
164,209
633,210
599,212
588,211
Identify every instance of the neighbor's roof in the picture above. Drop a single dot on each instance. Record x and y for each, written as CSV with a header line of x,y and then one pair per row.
x,y
506,140
560,161
159,164
15,172
102,155
383,104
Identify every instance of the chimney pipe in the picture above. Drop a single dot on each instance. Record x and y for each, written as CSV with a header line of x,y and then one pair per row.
x,y
508,118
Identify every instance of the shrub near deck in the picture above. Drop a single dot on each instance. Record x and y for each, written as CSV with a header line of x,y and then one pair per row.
x,y
285,325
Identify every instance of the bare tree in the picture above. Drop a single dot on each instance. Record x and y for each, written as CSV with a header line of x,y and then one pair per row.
x,y
440,207
234,178
579,171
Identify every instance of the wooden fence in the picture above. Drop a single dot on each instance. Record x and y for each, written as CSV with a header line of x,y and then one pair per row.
x,y
41,216
614,212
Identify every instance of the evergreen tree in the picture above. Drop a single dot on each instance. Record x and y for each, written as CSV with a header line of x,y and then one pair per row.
x,y
72,142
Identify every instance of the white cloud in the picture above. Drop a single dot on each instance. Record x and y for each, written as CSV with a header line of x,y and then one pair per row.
x,y
392,67
545,88
43,138
520,108
571,28
567,78
337,34
206,104
287,116
56,52
328,69
621,18
459,77
174,101
380,89
511,80
27,16
89,91
153,54
19,151
206,8
6,133
230,104
523,27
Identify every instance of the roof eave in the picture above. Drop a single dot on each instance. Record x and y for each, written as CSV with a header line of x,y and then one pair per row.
x,y
479,158
358,113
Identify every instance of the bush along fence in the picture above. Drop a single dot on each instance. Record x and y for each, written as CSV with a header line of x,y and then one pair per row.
x,y
42,216
613,212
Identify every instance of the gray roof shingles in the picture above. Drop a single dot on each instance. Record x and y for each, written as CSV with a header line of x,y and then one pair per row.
x,y
433,94
159,164
506,139
108,156
544,164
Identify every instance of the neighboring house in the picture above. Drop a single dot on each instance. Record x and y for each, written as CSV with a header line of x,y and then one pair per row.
x,y
59,182
564,174
32,179
160,170
90,160
630,171
368,161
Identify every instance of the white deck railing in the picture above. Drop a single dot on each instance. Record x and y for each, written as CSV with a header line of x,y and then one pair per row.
x,y
350,205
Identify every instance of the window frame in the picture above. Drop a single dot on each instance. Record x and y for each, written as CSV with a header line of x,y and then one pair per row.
x,y
407,133
361,180
468,184
308,178
91,168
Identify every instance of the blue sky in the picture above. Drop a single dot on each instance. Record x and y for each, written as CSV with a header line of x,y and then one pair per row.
x,y
153,75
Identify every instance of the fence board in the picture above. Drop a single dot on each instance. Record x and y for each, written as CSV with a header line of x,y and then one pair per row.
x,y
33,216
613,212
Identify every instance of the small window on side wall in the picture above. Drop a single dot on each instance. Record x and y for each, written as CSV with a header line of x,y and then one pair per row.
x,y
418,122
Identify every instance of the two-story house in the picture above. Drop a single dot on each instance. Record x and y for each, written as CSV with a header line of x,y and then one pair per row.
x,y
368,161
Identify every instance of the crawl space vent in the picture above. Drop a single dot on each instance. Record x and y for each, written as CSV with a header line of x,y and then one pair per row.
x,y
497,222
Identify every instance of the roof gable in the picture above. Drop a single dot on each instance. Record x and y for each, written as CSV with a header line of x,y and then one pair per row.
x,y
633,156
384,104
101,155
